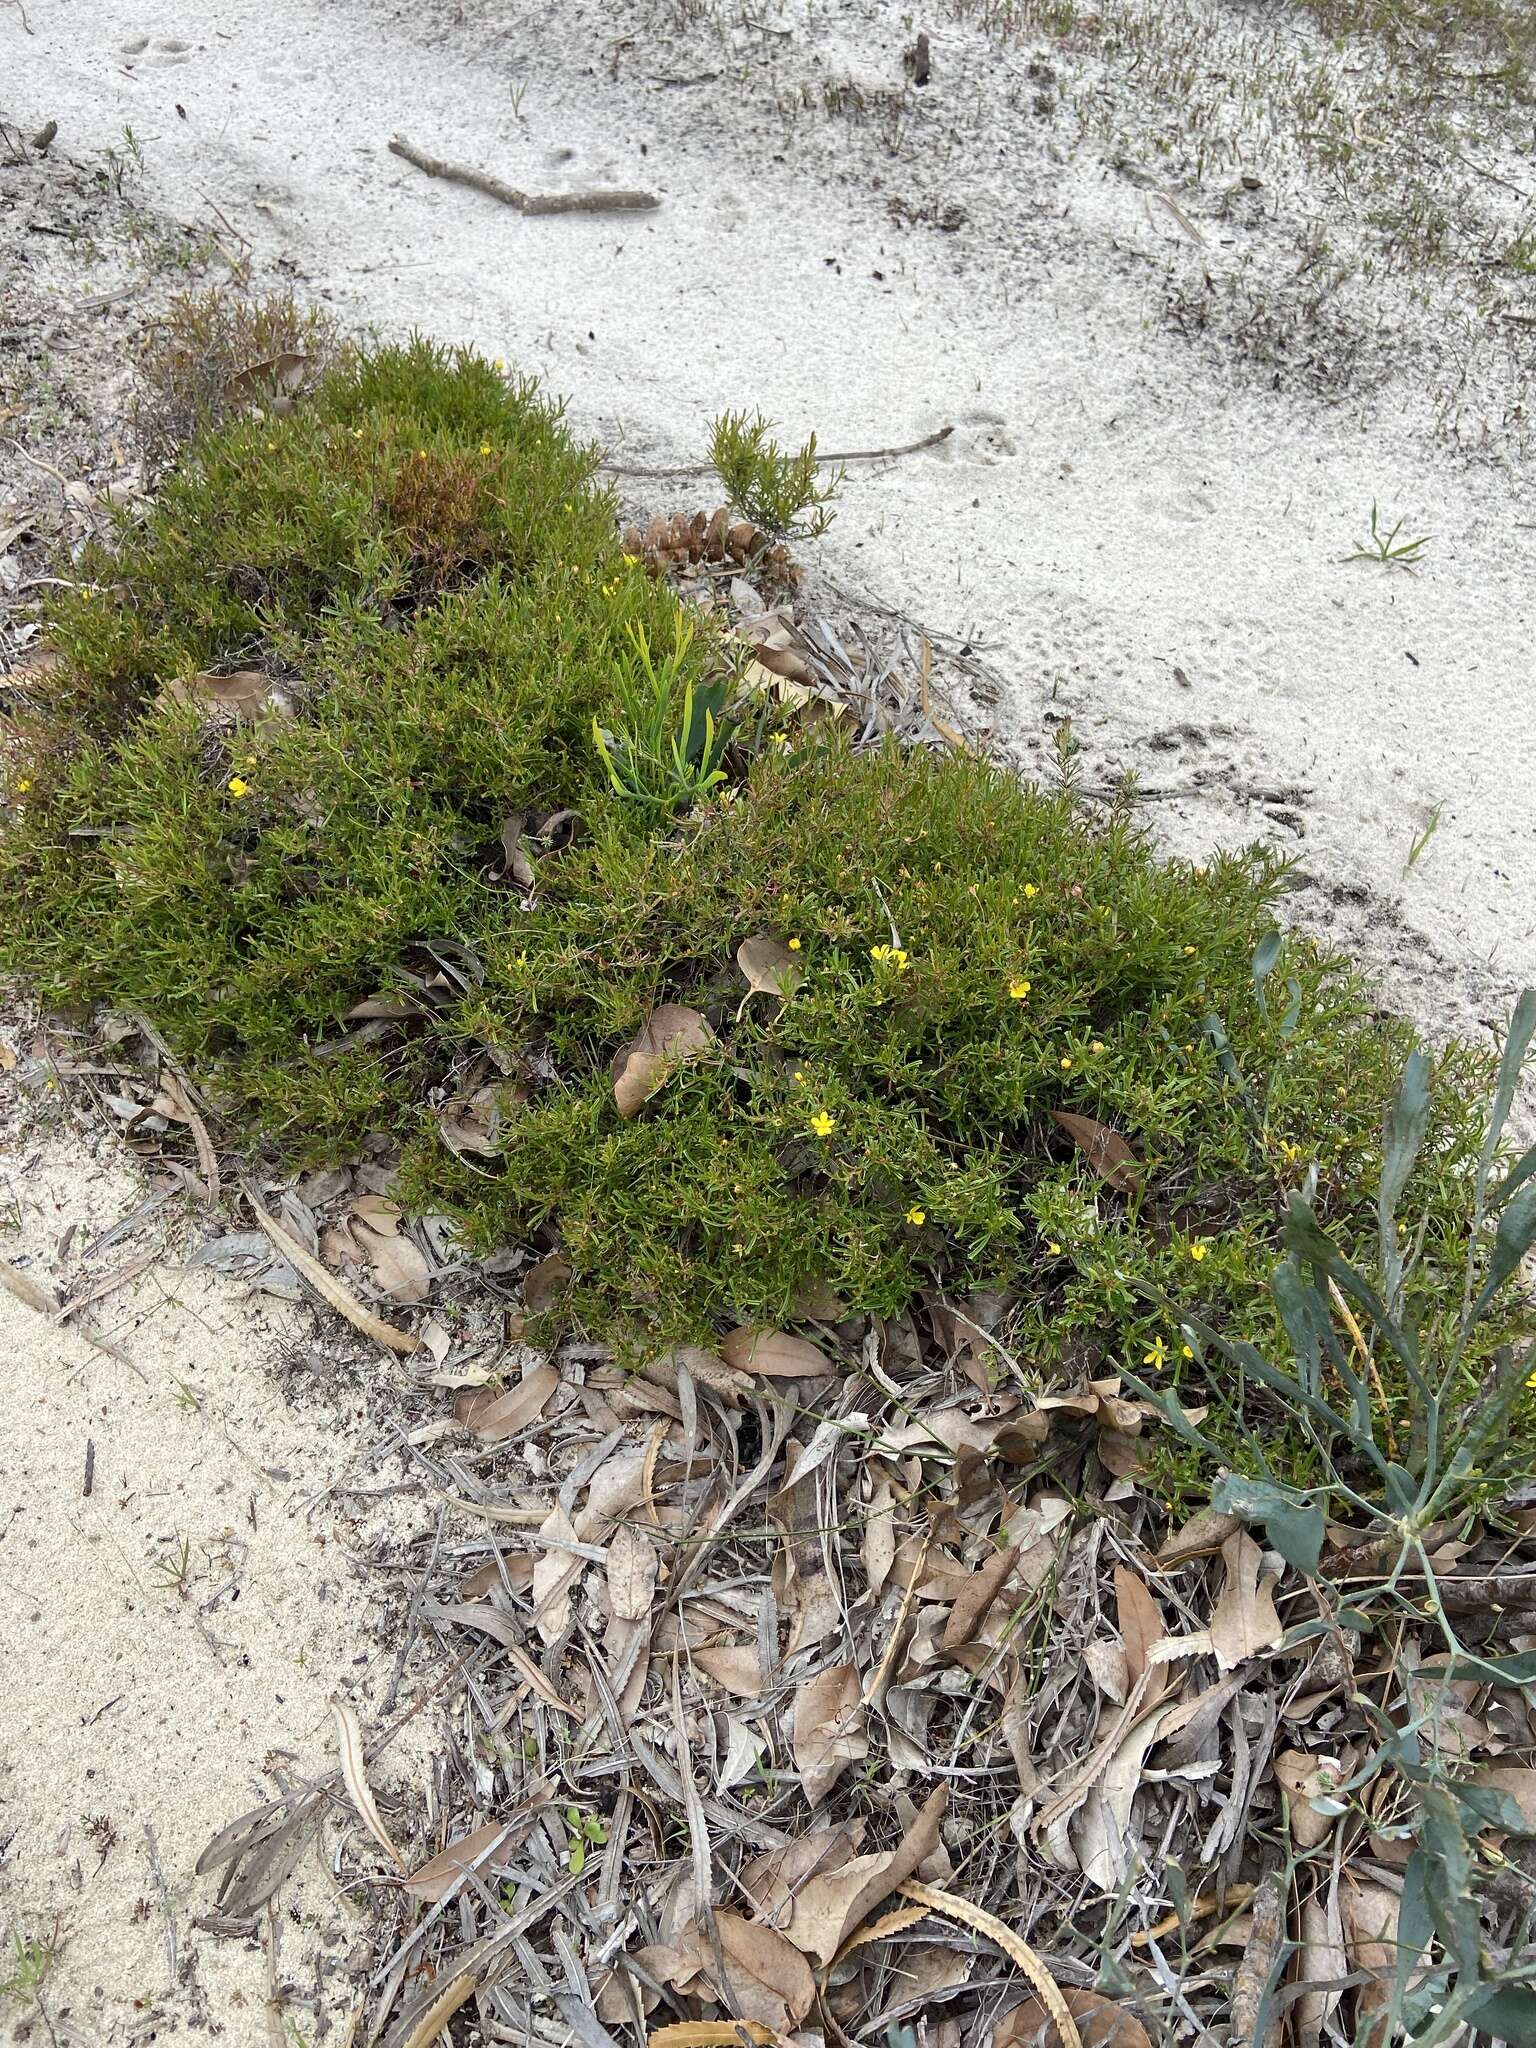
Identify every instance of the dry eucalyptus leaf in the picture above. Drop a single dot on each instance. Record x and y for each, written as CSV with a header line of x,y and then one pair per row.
x,y
395,1262
1204,1533
269,382
545,1282
330,1289
29,1292
632,1567
829,1729
974,1601
1105,1150
769,1978
1141,1621
1369,1916
1305,1777
670,1035
774,1354
493,1416
554,1575
712,2034
771,969
436,1877
733,1665
472,1123
832,1904
1100,2022
249,694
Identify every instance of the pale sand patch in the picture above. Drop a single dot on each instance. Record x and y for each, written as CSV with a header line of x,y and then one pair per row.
x,y
152,1699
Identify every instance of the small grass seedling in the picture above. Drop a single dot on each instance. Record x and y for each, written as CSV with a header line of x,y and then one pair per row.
x,y
1386,548
32,1957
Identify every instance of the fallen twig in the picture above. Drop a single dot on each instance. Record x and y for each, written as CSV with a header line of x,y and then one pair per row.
x,y
833,455
615,200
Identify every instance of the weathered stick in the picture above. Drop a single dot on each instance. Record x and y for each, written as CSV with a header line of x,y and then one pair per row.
x,y
615,200
833,455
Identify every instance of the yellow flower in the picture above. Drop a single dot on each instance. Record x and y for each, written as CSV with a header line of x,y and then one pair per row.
x,y
271,447
357,433
24,784
1185,1352
1066,1061
1531,1380
1158,1355
1096,1045
916,1215
238,786
1030,890
798,1077
822,1124
781,741
499,365
1198,1249
1053,1248
794,945
1189,949
895,954
1018,990
485,447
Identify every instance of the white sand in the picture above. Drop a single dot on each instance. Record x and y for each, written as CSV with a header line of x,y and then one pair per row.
x,y
1142,533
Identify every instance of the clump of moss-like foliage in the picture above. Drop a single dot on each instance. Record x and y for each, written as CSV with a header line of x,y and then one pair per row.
x,y
347,910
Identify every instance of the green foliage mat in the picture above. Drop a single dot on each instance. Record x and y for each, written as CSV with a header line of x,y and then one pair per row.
x,y
329,693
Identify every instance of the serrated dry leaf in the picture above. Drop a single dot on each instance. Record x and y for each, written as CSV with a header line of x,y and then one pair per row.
x,y
437,1877
711,2034
832,1904
770,969
1105,1150
1243,1621
670,1035
330,1289
1012,1945
770,1981
349,1737
632,1566
494,1416
828,1729
1101,2023
773,1353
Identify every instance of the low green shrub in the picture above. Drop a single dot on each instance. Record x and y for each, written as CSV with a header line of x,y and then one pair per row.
x,y
381,878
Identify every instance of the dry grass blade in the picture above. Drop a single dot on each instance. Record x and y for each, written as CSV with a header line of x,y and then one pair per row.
x,y
422,2024
1018,1950
330,1289
350,1742
29,1292
711,2034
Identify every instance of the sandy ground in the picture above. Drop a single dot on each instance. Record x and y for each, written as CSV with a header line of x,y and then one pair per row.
x,y
1141,528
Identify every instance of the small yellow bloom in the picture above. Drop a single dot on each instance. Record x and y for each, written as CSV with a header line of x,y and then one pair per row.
x,y
1066,1061
1158,1355
894,954
1053,1248
794,945
916,1215
498,364
1198,1249
1531,1380
357,433
1185,1352
798,1077
822,1124
1189,949
1096,1045
24,784
781,741
1018,990
1030,890
485,447
238,786
271,447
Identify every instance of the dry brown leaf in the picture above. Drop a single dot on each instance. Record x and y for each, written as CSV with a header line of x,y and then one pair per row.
x,y
770,1980
1244,1620
772,1881
671,1034
248,694
1202,1535
276,381
545,1282
29,1292
1516,1782
554,1575
1369,1916
437,1877
770,969
1105,1150
632,1566
395,1262
879,1544
494,1416
735,1666
1012,1945
774,1354
473,1123
349,1737
1317,1966
829,1729
1101,2023
974,1601
1140,1618
1303,1777
831,1905
330,1289
711,2034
